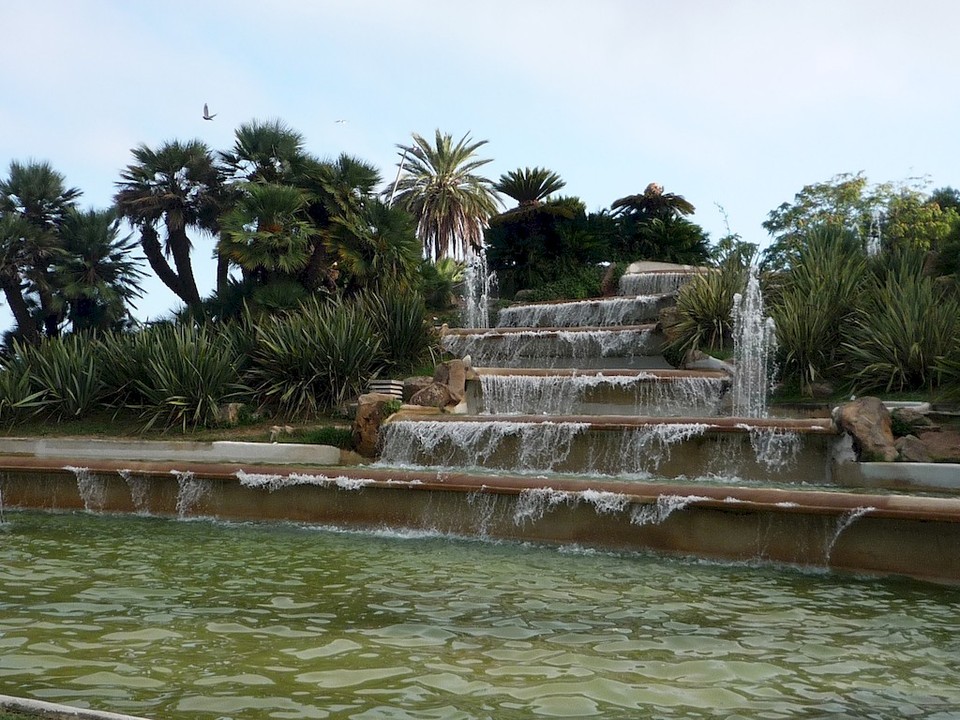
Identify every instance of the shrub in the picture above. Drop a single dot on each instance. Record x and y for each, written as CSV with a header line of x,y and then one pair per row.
x,y
398,318
313,360
19,396
813,302
67,371
704,310
187,375
905,330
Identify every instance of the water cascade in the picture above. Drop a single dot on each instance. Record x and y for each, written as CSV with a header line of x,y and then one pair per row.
x,y
480,286
191,490
584,313
92,488
653,283
754,345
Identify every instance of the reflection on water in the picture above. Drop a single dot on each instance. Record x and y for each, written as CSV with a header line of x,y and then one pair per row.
x,y
174,619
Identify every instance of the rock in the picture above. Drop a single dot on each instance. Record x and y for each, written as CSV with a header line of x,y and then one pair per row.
x,y
441,374
909,421
610,283
912,449
943,446
413,385
434,395
867,421
229,414
371,412
457,379
697,360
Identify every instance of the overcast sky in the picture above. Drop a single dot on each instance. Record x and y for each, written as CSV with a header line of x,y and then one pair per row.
x,y
734,104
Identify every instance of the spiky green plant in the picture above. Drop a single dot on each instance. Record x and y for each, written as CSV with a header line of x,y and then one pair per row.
x,y
812,305
313,360
67,370
905,330
704,307
187,376
398,316
18,395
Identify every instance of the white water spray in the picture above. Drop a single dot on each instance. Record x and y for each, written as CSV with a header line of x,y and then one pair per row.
x,y
843,522
582,313
754,342
663,508
479,288
92,489
661,283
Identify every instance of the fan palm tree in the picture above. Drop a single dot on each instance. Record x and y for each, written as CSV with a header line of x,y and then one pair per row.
x,y
37,194
446,196
16,254
269,151
98,276
179,187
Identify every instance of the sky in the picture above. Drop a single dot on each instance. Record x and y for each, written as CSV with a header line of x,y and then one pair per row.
x,y
734,104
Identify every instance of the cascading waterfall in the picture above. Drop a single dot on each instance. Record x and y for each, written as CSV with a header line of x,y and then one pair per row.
x,y
583,313
139,490
661,283
190,491
656,513
533,503
754,344
533,447
645,394
480,286
92,489
548,347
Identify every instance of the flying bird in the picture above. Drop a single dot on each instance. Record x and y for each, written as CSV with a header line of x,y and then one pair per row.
x,y
206,113
340,122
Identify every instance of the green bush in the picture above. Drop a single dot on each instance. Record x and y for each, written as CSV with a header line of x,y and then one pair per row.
x,y
187,375
905,331
339,437
313,360
398,318
67,370
19,397
812,305
704,310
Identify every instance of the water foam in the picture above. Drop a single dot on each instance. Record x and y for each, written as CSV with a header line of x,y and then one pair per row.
x,y
582,313
660,283
92,488
664,507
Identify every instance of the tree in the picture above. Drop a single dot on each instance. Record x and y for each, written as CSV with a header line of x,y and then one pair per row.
x,y
36,194
173,188
529,186
446,196
97,275
653,225
268,151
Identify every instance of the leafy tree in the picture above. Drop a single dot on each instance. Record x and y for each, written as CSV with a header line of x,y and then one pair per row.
x,y
97,275
443,191
652,204
529,186
36,194
174,188
267,151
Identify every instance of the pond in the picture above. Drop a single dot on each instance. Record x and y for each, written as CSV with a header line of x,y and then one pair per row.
x,y
199,619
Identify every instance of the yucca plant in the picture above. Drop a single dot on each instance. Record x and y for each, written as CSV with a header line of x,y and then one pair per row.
x,y
398,317
704,310
67,371
19,397
187,376
812,304
905,331
314,359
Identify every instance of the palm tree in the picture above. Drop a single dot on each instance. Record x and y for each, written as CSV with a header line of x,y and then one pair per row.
x,y
652,203
441,189
98,276
269,151
37,194
180,187
529,186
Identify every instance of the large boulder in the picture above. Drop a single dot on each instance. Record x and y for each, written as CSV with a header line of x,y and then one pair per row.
x,y
413,385
372,410
867,421
433,395
912,449
910,421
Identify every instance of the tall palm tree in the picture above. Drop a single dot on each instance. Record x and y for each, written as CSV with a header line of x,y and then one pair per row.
x,y
98,276
268,151
37,193
173,188
441,189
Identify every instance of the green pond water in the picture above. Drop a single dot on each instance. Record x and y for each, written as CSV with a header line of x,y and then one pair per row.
x,y
197,619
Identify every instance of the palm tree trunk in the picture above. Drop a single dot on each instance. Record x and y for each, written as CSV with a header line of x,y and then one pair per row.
x,y
154,252
26,325
180,249
223,274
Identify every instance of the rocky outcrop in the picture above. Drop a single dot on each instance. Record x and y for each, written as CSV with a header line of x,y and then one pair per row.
x,y
372,410
413,385
448,388
867,421
911,449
